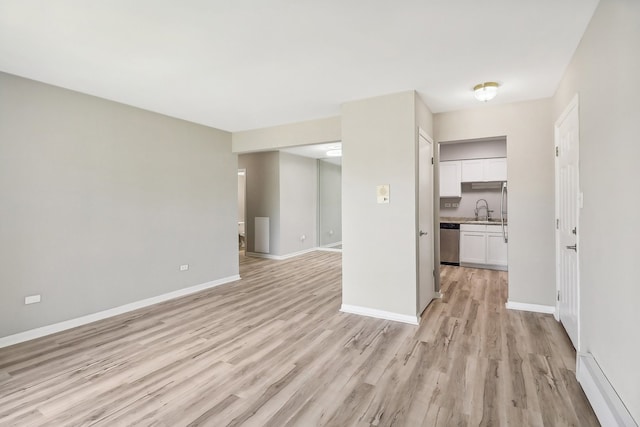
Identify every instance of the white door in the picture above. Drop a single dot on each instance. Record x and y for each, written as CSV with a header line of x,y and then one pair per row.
x,y
426,288
567,206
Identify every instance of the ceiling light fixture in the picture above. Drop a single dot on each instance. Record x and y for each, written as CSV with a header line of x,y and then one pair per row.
x,y
485,91
334,153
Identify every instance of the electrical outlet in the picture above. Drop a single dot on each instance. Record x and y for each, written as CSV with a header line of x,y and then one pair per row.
x,y
303,238
447,205
31,299
184,267
455,205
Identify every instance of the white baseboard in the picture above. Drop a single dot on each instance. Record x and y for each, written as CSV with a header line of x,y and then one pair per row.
x,y
438,295
603,398
326,249
379,314
89,318
536,308
280,257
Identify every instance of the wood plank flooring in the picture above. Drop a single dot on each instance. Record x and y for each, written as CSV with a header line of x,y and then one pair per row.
x,y
274,350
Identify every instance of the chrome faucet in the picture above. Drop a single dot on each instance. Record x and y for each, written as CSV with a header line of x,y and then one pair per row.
x,y
485,207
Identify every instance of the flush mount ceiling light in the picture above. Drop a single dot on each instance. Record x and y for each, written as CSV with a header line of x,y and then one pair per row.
x,y
485,91
334,153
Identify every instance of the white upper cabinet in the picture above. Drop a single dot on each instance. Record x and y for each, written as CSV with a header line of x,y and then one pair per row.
x,y
450,179
495,169
484,170
473,170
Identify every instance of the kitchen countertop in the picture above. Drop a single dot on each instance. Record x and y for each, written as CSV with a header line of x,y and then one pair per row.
x,y
470,220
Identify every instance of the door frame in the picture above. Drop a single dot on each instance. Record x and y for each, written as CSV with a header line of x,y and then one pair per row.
x,y
423,134
574,103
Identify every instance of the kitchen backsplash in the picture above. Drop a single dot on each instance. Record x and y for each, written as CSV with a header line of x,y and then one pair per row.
x,y
467,203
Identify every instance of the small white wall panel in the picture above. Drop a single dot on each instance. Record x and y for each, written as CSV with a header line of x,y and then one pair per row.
x,y
261,244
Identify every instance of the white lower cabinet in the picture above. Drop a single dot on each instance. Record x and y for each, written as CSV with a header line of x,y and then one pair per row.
x,y
482,245
496,249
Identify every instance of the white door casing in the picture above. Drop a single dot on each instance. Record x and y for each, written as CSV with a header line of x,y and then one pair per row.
x,y
426,288
567,134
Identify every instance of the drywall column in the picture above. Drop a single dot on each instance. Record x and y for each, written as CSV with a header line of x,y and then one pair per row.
x,y
379,138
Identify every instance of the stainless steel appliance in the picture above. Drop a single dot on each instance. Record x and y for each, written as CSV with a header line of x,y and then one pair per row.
x,y
503,212
449,243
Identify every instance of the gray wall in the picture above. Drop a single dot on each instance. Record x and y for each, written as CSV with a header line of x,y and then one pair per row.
x,y
482,149
379,144
530,162
604,72
330,202
101,204
262,196
242,184
298,203
283,187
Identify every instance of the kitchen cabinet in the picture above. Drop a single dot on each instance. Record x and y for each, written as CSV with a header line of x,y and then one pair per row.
x,y
484,170
450,179
496,247
483,246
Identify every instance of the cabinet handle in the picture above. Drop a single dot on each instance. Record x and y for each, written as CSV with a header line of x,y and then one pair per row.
x,y
574,247
423,233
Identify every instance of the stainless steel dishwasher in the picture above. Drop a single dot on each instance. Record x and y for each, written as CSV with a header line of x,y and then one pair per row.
x,y
449,243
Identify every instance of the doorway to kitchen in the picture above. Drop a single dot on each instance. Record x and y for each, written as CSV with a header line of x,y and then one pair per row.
x,y
472,207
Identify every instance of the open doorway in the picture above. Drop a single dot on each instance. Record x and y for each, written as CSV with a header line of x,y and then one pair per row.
x,y
242,211
473,208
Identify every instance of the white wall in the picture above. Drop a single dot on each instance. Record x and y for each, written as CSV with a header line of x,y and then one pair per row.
x,y
379,145
298,203
101,203
530,171
604,72
289,135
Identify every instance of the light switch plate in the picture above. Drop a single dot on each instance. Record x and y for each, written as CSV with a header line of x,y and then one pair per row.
x,y
32,299
382,192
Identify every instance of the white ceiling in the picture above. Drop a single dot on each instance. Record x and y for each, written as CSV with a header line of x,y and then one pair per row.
x,y
243,64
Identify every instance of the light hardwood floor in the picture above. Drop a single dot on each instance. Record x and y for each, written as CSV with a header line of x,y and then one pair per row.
x,y
273,350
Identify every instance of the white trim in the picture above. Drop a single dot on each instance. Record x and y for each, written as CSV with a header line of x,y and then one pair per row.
x,y
536,308
438,295
89,318
379,314
423,133
329,249
280,257
604,400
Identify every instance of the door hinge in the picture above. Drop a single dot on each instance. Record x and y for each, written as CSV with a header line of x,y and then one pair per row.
x,y
557,152
557,224
558,296
434,273
432,160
